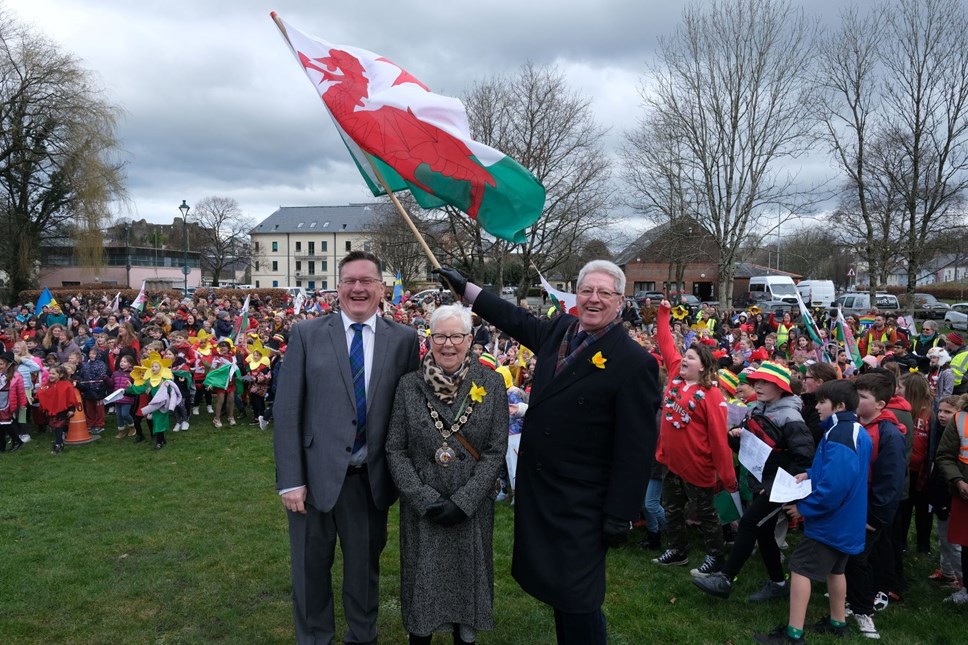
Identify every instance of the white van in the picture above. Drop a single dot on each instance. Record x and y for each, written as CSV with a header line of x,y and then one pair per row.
x,y
769,291
817,293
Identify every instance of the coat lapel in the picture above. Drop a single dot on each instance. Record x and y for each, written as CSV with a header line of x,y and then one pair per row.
x,y
380,343
337,336
581,368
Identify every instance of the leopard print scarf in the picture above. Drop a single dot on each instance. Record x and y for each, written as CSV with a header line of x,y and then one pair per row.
x,y
444,387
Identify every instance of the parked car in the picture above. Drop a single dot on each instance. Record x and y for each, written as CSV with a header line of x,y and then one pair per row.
x,y
446,297
655,296
927,306
957,316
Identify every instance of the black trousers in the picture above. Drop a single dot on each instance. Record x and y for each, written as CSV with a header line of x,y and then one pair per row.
x,y
580,629
860,578
756,527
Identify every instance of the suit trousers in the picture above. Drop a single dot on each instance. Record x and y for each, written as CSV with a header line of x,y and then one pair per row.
x,y
580,629
362,532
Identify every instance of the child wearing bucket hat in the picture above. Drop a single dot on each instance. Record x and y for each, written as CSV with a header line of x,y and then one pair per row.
x,y
775,419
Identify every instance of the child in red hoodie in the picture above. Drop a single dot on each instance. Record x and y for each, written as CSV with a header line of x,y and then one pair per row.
x,y
693,444
885,485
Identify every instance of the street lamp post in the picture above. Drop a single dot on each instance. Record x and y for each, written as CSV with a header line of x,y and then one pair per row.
x,y
184,208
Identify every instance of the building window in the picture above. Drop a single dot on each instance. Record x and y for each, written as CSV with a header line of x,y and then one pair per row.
x,y
275,266
366,246
275,246
312,284
257,245
325,284
298,247
257,284
256,265
298,265
312,268
312,248
349,245
298,283
323,246
275,284
325,264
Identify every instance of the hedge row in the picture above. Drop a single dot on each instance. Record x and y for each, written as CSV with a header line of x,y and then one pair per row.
x,y
943,291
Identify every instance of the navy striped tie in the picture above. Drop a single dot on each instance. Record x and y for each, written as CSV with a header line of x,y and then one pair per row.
x,y
359,384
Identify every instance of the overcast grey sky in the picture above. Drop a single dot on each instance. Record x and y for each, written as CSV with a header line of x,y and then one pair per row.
x,y
215,104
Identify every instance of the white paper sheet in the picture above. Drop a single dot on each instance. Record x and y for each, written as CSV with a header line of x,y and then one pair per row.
x,y
735,414
753,453
113,396
786,488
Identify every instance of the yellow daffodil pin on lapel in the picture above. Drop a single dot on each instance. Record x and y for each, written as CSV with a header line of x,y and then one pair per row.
x,y
477,393
599,361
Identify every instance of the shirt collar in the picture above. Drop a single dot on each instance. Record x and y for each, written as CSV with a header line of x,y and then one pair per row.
x,y
369,322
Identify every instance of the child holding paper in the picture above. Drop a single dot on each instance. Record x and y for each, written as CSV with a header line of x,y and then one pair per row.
x,y
774,419
834,513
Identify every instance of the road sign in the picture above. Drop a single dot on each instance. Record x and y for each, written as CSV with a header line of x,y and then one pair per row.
x,y
187,270
850,272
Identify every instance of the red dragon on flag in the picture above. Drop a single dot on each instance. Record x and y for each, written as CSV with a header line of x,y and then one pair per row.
x,y
415,139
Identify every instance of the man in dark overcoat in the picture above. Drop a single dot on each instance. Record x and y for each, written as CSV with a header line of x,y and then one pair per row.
x,y
586,448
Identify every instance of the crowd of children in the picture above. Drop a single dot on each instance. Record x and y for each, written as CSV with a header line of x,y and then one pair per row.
x,y
882,437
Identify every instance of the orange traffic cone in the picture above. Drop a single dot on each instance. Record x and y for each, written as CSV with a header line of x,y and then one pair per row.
x,y
77,433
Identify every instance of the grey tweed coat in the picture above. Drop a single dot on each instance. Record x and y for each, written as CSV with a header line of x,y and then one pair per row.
x,y
447,574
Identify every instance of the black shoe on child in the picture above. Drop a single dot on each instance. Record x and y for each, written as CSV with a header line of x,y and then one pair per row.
x,y
672,557
715,584
823,626
778,636
771,591
711,564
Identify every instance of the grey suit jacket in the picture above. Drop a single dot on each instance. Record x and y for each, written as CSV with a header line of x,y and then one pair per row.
x,y
315,408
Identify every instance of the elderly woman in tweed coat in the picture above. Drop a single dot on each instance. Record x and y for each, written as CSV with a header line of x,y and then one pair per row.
x,y
445,447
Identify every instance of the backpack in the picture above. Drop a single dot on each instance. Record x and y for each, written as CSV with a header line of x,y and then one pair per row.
x,y
763,428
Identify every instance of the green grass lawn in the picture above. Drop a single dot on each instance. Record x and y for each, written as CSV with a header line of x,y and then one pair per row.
x,y
115,542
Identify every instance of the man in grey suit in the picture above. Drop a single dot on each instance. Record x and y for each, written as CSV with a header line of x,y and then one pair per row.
x,y
332,409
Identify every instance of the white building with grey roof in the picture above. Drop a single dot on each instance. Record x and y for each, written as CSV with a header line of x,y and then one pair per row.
x,y
301,246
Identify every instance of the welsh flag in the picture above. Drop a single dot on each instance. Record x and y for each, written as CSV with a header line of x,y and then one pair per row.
x,y
564,301
238,334
139,302
844,334
417,140
811,325
116,303
222,376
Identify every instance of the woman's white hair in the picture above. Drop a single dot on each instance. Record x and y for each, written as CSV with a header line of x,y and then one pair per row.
x,y
446,312
604,266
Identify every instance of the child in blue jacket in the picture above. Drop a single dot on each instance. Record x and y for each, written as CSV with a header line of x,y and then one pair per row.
x,y
834,513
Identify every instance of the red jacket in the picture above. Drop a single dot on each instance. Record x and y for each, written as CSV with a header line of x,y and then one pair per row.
x,y
17,398
696,450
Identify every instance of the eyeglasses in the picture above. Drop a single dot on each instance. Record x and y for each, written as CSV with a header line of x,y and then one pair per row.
x,y
440,339
366,282
605,294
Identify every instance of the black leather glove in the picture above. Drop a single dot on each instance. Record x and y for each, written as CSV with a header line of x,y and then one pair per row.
x,y
452,279
445,513
615,531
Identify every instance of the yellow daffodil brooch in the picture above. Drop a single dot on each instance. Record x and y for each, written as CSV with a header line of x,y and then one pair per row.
x,y
477,393
599,361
